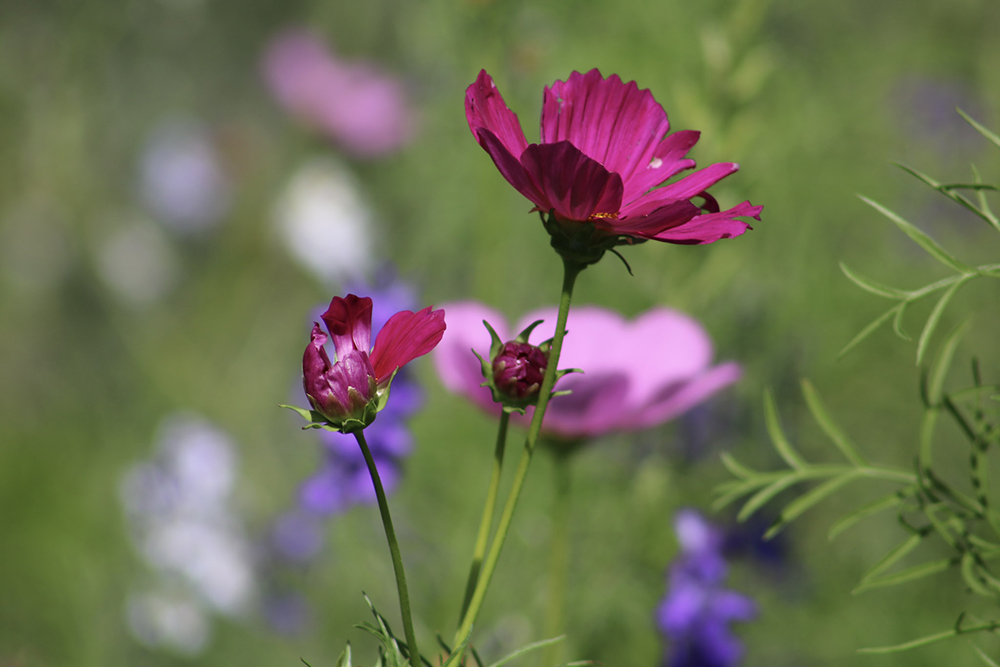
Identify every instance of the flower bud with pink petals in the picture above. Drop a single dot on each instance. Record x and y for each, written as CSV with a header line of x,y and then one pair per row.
x,y
518,370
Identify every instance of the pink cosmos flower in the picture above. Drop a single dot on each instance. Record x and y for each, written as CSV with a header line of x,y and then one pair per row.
x,y
349,389
358,105
604,150
637,373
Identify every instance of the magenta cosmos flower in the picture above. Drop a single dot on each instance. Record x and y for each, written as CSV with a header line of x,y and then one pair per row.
x,y
637,373
604,150
355,103
349,392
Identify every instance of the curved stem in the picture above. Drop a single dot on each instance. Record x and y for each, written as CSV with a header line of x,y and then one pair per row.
x,y
488,511
570,272
397,560
558,558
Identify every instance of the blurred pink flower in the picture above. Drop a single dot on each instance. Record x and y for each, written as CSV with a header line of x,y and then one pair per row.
x,y
637,373
357,104
603,152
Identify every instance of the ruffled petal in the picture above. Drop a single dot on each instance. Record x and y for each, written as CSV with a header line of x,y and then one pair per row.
x,y
668,160
486,110
711,227
612,122
693,184
457,366
405,337
576,186
349,321
511,169
677,398
648,225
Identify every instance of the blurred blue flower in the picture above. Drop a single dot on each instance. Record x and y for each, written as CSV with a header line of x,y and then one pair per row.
x,y
697,611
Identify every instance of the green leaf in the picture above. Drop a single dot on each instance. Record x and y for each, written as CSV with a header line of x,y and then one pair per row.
x,y
826,423
736,468
935,316
971,578
982,130
884,503
922,239
761,498
805,502
527,649
909,574
778,438
304,662
872,286
943,363
894,556
305,414
915,643
897,322
734,490
984,205
985,658
345,657
868,330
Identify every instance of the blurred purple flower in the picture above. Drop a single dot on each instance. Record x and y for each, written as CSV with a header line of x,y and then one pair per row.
x,y
182,181
637,374
363,108
697,611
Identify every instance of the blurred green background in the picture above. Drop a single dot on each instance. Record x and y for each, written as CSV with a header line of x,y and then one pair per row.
x,y
813,99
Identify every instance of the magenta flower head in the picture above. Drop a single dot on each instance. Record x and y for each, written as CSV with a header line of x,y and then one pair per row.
x,y
636,373
595,173
518,369
346,395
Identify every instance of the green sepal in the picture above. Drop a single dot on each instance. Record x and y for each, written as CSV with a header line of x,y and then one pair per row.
x,y
382,395
495,342
345,657
525,334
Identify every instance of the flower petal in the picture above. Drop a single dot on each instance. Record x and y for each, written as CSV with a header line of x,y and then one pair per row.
x,y
349,321
405,337
315,365
667,161
612,122
693,184
485,109
511,169
575,186
457,366
648,225
680,397
711,227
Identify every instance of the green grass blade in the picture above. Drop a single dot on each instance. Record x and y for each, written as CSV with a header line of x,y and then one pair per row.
x,y
880,505
870,329
909,574
979,128
922,239
872,286
806,501
781,444
935,317
832,431
527,649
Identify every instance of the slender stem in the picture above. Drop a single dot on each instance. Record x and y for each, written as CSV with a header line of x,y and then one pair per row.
x,y
558,557
488,511
570,272
397,560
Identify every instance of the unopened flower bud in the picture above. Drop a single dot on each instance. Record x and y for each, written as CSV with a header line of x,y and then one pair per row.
x,y
518,369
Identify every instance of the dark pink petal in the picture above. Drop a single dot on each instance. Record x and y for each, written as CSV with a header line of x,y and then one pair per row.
x,y
353,371
315,365
676,399
612,122
405,337
511,169
485,109
575,186
693,184
458,368
349,321
711,227
667,161
647,226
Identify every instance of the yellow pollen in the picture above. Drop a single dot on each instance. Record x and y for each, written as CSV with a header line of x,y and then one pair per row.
x,y
606,216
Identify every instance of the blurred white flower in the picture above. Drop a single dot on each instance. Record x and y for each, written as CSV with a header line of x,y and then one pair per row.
x,y
183,523
325,222
138,263
182,182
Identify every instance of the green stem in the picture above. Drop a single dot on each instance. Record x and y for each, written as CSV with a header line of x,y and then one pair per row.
x,y
397,560
570,272
558,558
488,511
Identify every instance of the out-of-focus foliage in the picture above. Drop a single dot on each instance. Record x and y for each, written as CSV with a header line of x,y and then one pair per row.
x,y
112,319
